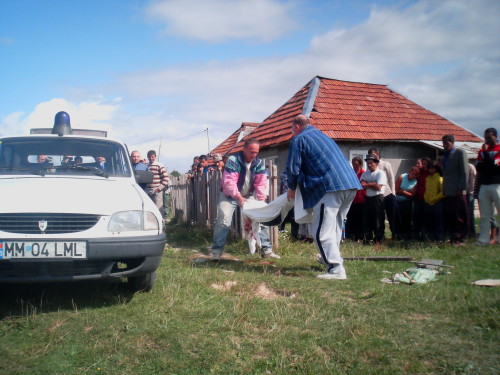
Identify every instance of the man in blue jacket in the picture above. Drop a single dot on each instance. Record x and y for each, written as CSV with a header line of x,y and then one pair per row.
x,y
327,184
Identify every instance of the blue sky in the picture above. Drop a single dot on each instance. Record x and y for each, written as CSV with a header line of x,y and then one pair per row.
x,y
156,71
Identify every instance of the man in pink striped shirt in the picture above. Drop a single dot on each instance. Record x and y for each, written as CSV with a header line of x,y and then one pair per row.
x,y
161,180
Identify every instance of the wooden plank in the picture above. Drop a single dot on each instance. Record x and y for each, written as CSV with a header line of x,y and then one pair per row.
x,y
382,258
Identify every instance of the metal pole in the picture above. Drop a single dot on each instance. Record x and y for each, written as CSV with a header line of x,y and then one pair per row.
x,y
208,140
159,149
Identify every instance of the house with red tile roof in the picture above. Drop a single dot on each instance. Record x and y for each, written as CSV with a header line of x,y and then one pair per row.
x,y
357,116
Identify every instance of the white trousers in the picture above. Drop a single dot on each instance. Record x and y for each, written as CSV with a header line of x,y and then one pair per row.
x,y
328,218
489,198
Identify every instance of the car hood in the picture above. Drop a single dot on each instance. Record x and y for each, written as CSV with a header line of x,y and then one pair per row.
x,y
102,196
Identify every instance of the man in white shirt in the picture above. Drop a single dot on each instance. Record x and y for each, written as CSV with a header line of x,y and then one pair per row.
x,y
373,181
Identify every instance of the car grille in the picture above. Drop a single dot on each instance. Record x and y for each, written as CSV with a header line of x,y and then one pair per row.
x,y
31,223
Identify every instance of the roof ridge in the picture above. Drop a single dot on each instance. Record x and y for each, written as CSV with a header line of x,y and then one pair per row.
x,y
347,81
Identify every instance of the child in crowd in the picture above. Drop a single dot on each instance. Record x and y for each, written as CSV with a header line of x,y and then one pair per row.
x,y
433,197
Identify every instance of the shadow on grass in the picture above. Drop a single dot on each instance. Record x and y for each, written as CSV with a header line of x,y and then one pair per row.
x,y
264,266
29,299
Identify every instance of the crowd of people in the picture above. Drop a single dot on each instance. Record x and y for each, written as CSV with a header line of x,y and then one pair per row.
x,y
433,201
206,163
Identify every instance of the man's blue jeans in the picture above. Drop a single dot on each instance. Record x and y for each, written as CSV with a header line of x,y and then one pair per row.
x,y
225,211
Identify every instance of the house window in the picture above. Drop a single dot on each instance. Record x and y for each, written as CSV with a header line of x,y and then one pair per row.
x,y
360,154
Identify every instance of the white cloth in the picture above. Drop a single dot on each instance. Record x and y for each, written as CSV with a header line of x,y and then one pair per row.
x,y
301,215
251,228
262,212
255,212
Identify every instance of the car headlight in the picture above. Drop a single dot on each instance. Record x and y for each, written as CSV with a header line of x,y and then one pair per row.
x,y
132,220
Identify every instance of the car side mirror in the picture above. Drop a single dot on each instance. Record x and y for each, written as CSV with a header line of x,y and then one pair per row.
x,y
143,177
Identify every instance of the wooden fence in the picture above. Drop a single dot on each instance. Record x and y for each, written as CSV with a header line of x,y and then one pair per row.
x,y
194,200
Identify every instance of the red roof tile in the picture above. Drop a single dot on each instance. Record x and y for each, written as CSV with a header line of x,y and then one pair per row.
x,y
356,111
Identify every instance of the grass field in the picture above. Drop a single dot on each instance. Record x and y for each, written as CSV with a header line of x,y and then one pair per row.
x,y
248,316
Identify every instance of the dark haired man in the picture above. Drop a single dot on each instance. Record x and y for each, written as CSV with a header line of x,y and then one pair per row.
x,y
488,168
354,223
455,176
244,177
161,180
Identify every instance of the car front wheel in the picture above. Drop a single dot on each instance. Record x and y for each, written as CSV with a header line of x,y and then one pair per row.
x,y
143,283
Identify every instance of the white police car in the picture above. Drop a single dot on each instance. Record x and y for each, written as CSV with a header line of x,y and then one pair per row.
x,y
71,209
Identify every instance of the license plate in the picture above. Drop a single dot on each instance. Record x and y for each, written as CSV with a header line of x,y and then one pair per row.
x,y
43,250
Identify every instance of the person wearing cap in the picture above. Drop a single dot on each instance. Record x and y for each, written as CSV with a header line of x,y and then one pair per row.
x,y
327,184
389,190
373,181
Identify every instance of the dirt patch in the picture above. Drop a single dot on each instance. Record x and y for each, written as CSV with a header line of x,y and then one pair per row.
x,y
199,257
264,292
225,286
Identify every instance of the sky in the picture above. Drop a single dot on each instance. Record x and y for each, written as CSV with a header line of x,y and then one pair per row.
x,y
180,76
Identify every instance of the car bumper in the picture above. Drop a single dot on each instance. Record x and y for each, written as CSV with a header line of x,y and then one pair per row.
x,y
106,258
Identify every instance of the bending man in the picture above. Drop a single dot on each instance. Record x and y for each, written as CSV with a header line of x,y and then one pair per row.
x,y
327,184
244,177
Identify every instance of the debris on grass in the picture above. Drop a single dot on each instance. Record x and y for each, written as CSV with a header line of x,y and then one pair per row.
x,y
487,282
382,258
412,276
225,286
431,264
264,292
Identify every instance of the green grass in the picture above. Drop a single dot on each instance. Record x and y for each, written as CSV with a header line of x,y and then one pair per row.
x,y
272,317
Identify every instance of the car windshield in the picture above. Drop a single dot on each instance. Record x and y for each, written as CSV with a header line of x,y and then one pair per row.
x,y
62,156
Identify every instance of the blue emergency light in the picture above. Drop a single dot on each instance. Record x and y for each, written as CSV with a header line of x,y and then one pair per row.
x,y
62,125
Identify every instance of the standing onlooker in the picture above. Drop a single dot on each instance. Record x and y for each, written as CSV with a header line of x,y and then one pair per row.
x,y
205,165
420,223
373,181
406,186
138,165
327,184
219,164
160,181
455,169
488,167
354,223
388,190
433,197
244,177
470,200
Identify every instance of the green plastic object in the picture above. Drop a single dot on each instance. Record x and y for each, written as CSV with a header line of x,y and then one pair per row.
x,y
418,276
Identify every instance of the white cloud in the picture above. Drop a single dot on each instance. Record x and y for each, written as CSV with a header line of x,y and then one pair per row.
x,y
443,55
221,20
433,52
86,115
